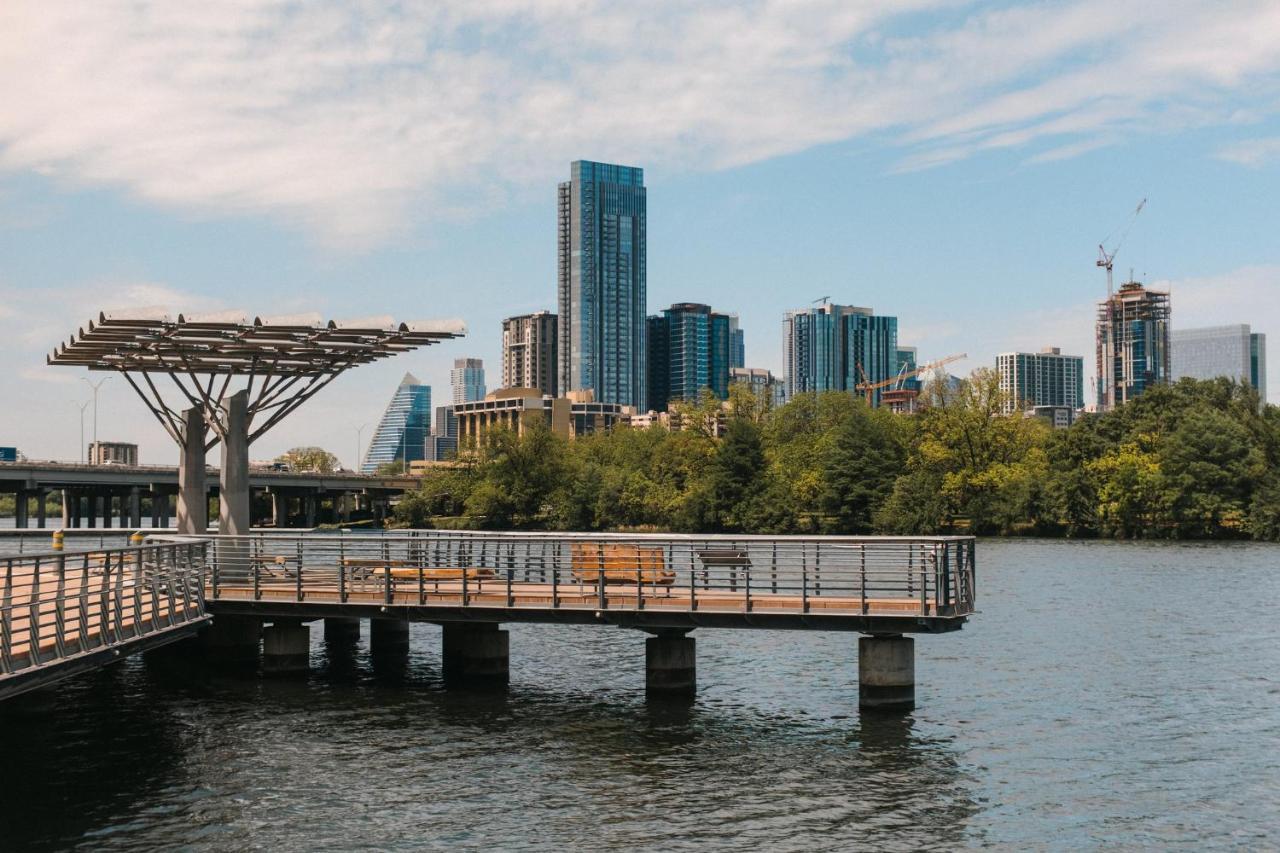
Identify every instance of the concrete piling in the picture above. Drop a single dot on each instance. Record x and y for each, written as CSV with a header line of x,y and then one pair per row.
x,y
670,664
233,640
476,653
886,673
286,648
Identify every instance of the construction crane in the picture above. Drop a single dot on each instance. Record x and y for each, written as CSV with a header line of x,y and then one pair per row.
x,y
1105,258
823,299
903,375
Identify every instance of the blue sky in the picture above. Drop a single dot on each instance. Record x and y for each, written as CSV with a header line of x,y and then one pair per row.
x,y
953,163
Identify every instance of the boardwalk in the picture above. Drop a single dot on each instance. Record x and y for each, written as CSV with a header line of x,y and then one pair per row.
x,y
61,614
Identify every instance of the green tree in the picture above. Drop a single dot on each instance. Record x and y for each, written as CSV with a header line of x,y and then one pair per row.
x,y
1209,465
861,461
309,460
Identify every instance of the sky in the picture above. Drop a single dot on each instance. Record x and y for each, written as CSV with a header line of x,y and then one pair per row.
x,y
953,163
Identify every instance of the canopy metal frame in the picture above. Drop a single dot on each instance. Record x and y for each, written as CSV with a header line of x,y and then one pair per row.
x,y
284,361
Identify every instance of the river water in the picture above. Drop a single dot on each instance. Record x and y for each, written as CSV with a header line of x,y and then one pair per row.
x,y
1107,694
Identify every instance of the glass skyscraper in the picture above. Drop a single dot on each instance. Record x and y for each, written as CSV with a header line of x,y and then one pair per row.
x,y
467,378
601,283
1234,351
402,433
836,347
1132,344
690,348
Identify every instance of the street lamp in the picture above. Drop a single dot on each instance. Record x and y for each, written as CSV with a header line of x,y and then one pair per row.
x,y
95,386
82,406
359,438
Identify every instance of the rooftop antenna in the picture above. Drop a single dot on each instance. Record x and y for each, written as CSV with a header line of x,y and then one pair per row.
x,y
1105,258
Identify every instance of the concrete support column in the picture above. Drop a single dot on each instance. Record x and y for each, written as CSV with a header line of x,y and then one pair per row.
x,y
233,488
67,511
346,507
126,516
164,508
42,508
105,502
310,503
476,653
95,508
389,636
286,648
343,630
20,509
887,673
233,640
670,664
193,503
279,508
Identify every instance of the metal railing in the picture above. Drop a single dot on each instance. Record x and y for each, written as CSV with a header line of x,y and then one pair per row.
x,y
57,606
900,576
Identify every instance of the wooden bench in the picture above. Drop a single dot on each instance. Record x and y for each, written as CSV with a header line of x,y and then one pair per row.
x,y
592,562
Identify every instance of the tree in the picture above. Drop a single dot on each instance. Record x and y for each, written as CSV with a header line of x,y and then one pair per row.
x,y
1209,465
315,460
733,477
860,463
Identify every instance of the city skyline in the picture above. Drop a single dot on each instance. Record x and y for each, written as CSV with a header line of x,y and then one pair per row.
x,y
974,216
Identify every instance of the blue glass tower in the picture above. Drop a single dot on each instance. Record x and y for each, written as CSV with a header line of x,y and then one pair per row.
x,y
836,347
402,433
690,348
601,283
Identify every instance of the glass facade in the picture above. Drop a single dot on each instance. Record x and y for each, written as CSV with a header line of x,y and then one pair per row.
x,y
690,348
467,379
1212,351
402,432
1133,346
602,215
1046,378
837,347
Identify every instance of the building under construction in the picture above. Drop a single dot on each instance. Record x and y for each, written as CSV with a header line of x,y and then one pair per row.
x,y
1133,343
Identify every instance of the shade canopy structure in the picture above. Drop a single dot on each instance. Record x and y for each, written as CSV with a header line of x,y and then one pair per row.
x,y
236,376
283,361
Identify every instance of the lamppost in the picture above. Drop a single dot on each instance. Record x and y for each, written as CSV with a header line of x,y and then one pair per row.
x,y
359,445
95,386
82,406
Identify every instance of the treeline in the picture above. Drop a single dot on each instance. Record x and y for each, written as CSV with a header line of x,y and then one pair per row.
x,y
1191,460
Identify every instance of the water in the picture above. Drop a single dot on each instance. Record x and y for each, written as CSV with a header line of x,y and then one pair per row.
x,y
1106,695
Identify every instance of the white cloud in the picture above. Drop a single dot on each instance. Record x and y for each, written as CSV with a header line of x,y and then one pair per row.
x,y
342,117
1253,153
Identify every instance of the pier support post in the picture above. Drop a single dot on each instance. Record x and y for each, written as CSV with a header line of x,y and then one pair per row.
x,y
286,648
887,673
42,507
341,629
389,636
20,509
233,640
279,509
233,488
670,663
135,507
193,502
475,653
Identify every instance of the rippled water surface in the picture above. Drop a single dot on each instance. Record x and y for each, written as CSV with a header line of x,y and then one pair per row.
x,y
1107,694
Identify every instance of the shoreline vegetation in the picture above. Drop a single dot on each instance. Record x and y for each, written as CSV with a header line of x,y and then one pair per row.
x,y
1193,460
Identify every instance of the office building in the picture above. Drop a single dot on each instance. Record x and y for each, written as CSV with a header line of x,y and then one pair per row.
x,y
737,344
1132,344
112,453
402,431
601,283
444,423
517,408
833,347
439,448
1058,417
767,387
690,348
8,454
1236,352
467,379
1045,378
529,348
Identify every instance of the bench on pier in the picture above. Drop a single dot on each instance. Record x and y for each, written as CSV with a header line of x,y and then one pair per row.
x,y
592,562
372,568
731,559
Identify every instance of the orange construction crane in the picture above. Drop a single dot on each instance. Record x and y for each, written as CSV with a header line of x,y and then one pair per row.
x,y
903,375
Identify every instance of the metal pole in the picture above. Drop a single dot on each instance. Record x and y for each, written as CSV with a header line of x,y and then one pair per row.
x,y
95,387
82,406
359,445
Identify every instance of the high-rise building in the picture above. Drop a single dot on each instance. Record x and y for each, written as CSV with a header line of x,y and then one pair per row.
x,y
690,348
1208,352
529,347
601,283
112,453
737,344
1132,343
767,387
1045,378
444,423
402,432
832,347
467,378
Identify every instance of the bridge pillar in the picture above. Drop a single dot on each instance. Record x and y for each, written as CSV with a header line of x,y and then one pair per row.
x,y
95,508
233,640
68,513
135,507
476,653
309,501
670,663
286,648
887,673
42,507
389,636
193,501
342,629
20,509
279,508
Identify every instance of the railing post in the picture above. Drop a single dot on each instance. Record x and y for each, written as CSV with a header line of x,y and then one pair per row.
x,y
255,566
862,571
33,621
601,601
746,579
924,584
693,583
118,599
387,592
804,584
299,594
60,611
6,620
511,600
555,580
464,586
